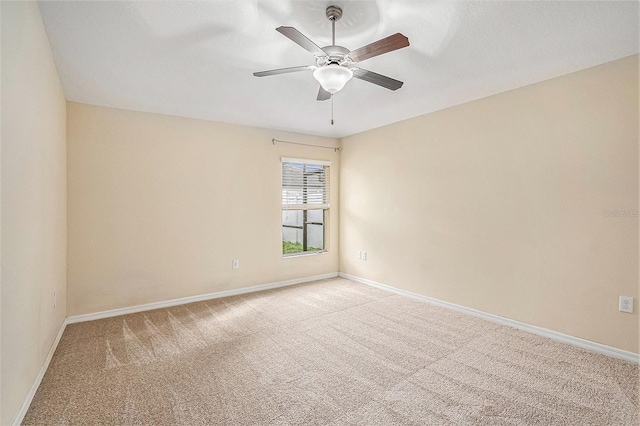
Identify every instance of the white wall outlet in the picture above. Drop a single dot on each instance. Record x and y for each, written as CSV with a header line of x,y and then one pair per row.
x,y
626,304
363,256
359,255
235,264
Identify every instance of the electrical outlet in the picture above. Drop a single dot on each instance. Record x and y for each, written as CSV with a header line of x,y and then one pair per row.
x,y
626,304
363,256
235,264
359,255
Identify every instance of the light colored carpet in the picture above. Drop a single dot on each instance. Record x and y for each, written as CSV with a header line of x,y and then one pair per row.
x,y
331,352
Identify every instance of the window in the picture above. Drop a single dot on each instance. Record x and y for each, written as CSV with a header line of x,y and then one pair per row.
x,y
305,203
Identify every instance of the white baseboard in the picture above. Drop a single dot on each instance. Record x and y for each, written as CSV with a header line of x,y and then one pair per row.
x,y
540,331
36,383
184,300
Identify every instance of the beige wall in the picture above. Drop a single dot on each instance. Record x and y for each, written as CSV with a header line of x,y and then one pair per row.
x,y
33,185
159,206
499,204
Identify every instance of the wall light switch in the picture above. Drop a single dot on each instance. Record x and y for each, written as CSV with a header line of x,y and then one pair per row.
x,y
235,264
364,255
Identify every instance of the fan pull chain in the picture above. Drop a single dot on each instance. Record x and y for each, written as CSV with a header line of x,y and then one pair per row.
x,y
332,110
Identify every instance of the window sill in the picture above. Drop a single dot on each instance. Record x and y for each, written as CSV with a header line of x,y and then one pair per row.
x,y
304,254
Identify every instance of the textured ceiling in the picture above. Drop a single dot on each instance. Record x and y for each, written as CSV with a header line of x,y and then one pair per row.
x,y
196,59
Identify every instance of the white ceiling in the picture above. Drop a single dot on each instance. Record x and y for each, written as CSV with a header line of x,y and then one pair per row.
x,y
196,59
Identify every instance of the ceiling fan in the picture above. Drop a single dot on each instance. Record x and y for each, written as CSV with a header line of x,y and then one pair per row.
x,y
336,65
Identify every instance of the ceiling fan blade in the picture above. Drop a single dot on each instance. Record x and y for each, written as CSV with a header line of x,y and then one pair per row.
x,y
282,71
323,95
376,78
299,38
387,44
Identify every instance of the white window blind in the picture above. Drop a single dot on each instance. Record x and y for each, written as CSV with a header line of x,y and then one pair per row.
x,y
305,184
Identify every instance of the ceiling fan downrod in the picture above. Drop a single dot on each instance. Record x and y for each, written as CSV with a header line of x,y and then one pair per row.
x,y
334,13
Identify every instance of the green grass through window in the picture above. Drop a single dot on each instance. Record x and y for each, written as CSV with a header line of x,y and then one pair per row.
x,y
289,247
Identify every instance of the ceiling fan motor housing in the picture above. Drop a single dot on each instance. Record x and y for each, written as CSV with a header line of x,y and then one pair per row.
x,y
335,54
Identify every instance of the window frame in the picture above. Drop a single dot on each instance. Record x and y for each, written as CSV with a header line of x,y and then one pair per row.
x,y
324,206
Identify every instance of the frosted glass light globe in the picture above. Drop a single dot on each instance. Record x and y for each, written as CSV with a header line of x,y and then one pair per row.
x,y
333,77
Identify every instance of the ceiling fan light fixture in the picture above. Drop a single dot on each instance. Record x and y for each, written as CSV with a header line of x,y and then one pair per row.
x,y
333,77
